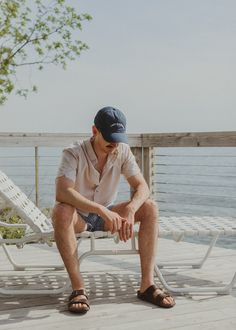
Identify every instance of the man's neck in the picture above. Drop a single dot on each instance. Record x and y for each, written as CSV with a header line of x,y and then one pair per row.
x,y
101,155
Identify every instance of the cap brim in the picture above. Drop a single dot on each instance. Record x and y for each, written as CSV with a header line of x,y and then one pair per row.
x,y
116,137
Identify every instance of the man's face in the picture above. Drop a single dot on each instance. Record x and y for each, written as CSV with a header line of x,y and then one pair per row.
x,y
107,147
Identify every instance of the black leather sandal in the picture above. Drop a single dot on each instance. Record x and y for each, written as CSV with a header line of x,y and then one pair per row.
x,y
155,296
73,305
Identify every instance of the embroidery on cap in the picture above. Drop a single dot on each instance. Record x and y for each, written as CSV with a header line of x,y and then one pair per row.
x,y
117,124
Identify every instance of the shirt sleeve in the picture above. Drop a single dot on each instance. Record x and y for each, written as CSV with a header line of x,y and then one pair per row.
x,y
129,166
68,166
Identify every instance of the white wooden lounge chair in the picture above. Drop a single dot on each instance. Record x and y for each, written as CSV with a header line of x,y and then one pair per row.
x,y
39,229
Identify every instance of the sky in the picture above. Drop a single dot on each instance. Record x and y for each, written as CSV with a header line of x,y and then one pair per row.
x,y
169,65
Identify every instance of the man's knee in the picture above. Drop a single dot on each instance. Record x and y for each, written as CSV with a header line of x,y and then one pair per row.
x,y
147,212
62,213
150,205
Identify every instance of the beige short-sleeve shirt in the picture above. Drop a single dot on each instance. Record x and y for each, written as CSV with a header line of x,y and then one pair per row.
x,y
78,164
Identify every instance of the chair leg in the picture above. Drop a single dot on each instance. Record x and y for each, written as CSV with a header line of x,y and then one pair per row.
x,y
21,267
195,265
206,289
52,291
214,289
94,251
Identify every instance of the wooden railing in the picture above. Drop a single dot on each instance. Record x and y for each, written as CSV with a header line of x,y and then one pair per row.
x,y
197,139
142,146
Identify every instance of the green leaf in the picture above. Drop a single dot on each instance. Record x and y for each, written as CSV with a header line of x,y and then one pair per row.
x,y
36,35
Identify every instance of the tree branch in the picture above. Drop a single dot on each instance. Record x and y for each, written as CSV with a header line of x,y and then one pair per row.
x,y
33,63
28,41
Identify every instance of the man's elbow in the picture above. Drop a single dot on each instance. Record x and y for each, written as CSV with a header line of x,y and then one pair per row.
x,y
60,195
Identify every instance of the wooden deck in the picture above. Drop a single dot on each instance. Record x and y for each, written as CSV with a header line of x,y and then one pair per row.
x,y
112,282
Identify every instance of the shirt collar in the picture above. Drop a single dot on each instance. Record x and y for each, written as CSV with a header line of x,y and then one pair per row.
x,y
90,151
92,155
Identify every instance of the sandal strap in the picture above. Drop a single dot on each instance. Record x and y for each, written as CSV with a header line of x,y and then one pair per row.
x,y
150,290
77,293
162,294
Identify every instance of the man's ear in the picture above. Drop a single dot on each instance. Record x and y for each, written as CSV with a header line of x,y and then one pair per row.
x,y
94,130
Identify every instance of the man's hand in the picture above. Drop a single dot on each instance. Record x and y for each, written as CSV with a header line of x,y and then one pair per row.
x,y
127,229
124,224
113,221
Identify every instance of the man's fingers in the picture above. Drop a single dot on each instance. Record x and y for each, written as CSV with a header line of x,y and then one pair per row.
x,y
110,226
127,231
123,227
131,228
121,235
114,227
121,232
126,234
119,223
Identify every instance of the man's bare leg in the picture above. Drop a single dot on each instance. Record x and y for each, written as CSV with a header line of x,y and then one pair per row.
x,y
147,238
66,223
147,215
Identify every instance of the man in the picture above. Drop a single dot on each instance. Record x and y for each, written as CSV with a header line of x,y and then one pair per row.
x,y
86,188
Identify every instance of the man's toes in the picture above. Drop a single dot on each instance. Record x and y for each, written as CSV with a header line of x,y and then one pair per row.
x,y
84,306
168,301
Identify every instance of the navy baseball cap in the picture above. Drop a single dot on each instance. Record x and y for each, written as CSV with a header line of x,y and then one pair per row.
x,y
111,122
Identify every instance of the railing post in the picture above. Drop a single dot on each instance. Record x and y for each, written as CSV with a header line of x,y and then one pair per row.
x,y
148,166
36,166
138,154
137,151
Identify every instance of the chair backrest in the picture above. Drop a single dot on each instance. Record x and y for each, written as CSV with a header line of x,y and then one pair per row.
x,y
23,206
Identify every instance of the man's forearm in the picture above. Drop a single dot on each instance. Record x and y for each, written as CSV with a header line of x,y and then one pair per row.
x,y
139,196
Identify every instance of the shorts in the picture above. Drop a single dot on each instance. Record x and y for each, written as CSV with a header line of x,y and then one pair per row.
x,y
94,221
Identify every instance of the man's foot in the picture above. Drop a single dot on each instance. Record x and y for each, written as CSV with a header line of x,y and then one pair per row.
x,y
157,296
78,302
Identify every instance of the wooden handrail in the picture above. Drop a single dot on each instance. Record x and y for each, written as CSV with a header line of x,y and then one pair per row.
x,y
195,139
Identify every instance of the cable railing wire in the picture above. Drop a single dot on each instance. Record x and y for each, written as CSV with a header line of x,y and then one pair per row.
x,y
194,156
195,174
190,165
195,184
187,194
